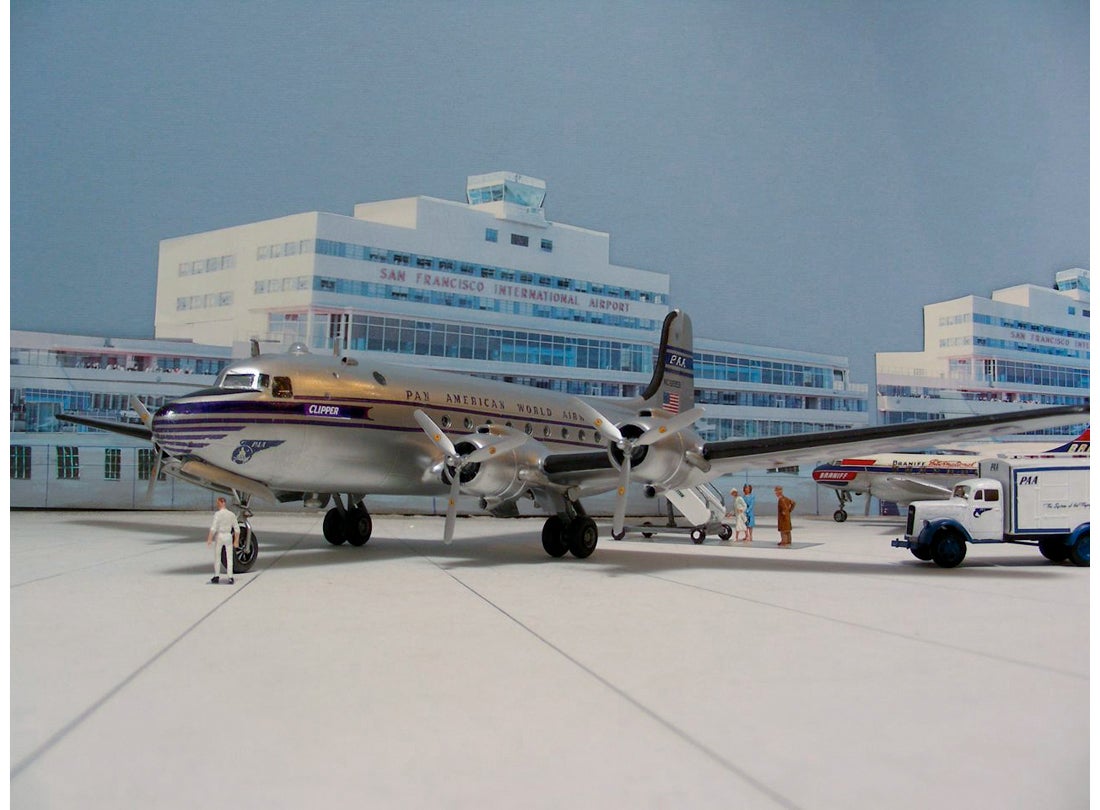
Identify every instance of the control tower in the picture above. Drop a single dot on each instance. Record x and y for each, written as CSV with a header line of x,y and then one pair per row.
x,y
508,196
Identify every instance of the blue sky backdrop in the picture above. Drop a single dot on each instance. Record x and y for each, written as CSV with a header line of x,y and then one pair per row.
x,y
809,173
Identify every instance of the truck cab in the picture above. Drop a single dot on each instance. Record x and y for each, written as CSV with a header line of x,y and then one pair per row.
x,y
1024,500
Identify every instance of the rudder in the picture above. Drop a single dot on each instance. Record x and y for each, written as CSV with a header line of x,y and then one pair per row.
x,y
672,386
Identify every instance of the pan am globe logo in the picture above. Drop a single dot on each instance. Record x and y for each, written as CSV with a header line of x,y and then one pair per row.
x,y
246,449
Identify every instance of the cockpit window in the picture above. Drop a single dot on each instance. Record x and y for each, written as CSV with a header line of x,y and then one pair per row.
x,y
281,387
244,382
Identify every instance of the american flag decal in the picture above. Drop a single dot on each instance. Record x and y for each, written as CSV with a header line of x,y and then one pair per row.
x,y
672,402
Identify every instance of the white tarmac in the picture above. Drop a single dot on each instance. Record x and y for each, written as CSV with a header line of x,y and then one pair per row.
x,y
840,673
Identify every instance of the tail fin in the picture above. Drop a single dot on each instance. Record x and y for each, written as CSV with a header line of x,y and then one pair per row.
x,y
672,386
1078,445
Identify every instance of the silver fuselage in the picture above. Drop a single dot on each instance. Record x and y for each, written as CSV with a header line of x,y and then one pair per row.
x,y
319,424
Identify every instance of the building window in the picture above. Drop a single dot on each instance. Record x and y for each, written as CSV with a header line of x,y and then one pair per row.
x,y
490,234
20,463
519,239
68,463
548,245
146,461
112,464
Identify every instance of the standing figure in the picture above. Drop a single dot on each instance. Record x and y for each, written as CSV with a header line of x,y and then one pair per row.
x,y
224,530
737,512
750,512
784,506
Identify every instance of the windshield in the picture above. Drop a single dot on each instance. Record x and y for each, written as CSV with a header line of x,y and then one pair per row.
x,y
961,491
242,381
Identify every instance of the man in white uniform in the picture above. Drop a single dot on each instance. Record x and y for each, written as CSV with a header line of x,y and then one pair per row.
x,y
224,530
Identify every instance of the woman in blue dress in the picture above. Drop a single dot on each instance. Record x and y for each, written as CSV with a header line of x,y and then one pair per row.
x,y
750,511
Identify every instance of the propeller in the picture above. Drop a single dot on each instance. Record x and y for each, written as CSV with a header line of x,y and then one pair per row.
x,y
610,431
146,417
459,461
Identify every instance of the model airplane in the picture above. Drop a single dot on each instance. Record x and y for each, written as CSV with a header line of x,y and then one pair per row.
x,y
907,477
303,427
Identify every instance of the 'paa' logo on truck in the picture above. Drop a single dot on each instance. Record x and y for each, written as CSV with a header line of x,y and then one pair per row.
x,y
1028,480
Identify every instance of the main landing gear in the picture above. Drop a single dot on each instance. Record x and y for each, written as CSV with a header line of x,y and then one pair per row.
x,y
352,525
570,530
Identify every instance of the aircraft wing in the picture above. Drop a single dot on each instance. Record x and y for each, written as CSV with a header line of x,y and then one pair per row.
x,y
786,451
594,469
914,490
110,425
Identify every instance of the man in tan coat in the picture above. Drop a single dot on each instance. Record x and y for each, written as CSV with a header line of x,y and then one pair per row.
x,y
785,506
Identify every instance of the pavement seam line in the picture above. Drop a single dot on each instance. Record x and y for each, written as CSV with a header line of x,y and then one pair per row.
x,y
891,633
623,695
77,721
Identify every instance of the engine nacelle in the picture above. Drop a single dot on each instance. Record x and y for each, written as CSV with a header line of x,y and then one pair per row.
x,y
499,478
663,464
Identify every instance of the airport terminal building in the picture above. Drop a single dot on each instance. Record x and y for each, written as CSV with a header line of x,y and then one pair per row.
x,y
487,286
1024,346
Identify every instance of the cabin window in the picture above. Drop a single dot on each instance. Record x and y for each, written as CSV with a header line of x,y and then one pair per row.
x,y
282,388
468,423
378,378
445,421
528,428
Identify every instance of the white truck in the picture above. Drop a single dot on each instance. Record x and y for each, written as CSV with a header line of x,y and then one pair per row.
x,y
1037,501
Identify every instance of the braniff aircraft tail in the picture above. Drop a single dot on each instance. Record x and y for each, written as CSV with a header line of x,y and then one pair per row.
x,y
672,387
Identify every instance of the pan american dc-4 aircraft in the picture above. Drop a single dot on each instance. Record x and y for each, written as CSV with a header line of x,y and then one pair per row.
x,y
304,427
906,477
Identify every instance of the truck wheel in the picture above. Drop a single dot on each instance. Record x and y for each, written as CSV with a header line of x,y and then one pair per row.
x,y
1054,549
922,552
1079,553
948,549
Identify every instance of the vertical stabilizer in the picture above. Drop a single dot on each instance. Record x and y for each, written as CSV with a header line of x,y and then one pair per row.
x,y
673,384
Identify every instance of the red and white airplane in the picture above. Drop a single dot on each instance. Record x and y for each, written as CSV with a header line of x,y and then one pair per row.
x,y
907,477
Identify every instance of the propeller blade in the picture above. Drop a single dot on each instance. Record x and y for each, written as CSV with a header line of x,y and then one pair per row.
x,y
452,507
620,501
601,423
670,426
154,474
143,413
435,433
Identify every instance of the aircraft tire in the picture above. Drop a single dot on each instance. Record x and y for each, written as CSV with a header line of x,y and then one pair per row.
x,y
358,526
583,534
1054,549
840,516
948,549
245,555
333,527
553,537
1079,552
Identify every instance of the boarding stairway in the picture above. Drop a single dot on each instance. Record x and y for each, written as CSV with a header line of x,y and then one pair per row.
x,y
701,506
